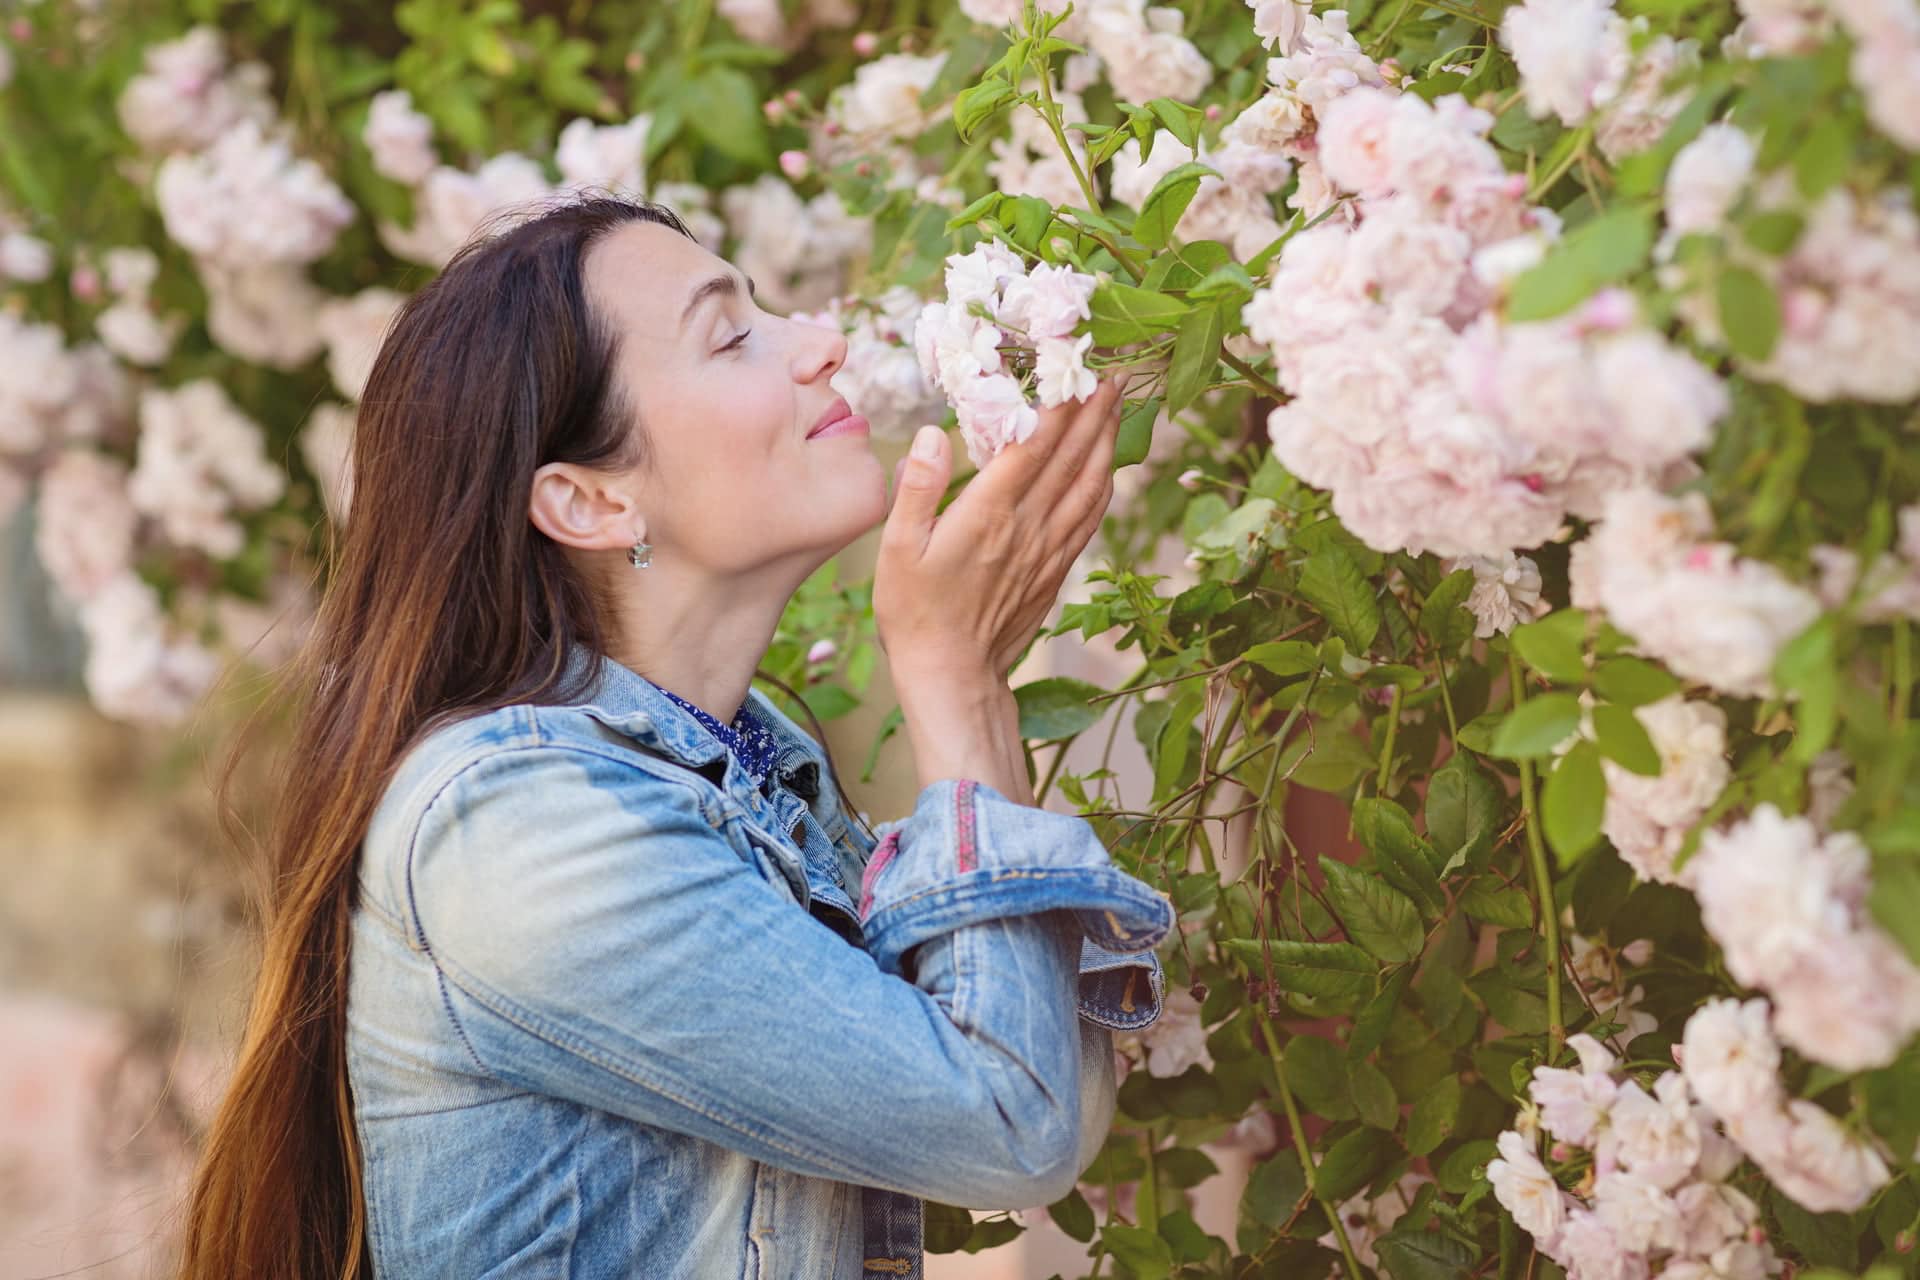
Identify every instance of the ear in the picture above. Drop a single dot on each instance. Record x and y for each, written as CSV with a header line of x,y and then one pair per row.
x,y
580,507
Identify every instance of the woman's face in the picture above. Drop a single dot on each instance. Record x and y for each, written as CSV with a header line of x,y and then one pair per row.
x,y
727,395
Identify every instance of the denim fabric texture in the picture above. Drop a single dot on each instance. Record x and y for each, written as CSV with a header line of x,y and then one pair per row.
x,y
613,1011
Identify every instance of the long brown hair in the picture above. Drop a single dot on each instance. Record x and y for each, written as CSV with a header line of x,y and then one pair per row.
x,y
442,600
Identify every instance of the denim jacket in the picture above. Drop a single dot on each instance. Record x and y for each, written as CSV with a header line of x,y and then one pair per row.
x,y
615,1011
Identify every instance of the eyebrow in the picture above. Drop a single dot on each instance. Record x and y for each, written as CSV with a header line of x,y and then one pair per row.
x,y
725,285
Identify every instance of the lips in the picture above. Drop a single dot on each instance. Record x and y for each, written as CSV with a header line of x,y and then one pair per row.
x,y
836,411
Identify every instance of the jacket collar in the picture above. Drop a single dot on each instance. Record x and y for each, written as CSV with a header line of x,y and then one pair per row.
x,y
629,703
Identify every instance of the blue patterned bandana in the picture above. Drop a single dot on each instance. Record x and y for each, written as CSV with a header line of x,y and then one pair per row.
x,y
748,738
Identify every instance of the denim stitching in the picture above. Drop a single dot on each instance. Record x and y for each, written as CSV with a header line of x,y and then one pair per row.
x,y
964,815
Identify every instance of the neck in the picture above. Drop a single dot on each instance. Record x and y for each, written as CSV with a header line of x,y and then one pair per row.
x,y
699,635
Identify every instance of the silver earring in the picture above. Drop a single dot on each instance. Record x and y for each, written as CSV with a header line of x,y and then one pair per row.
x,y
640,554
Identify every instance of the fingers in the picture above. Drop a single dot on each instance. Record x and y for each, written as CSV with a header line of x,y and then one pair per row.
x,y
921,482
1039,469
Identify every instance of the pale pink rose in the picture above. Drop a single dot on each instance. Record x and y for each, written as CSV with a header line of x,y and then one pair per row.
x,y
1527,1191
611,156
1706,178
1655,1136
993,413
399,138
1048,302
1354,141
85,535
1641,1216
1060,370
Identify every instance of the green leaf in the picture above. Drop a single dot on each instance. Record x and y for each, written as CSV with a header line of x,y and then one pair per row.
x,y
945,1228
1123,313
1821,160
1444,618
1463,811
1774,231
1073,1215
725,112
1498,904
1275,1189
1376,916
1178,120
1555,646
1894,901
1196,354
1572,803
1338,970
1595,254
1372,1093
974,106
1537,726
1406,859
1434,1112
1160,211
1317,1073
1057,707
1633,682
1136,433
1374,1021
1413,1253
1749,313
1808,666
1624,740
1140,1250
1285,657
1333,584
1351,1163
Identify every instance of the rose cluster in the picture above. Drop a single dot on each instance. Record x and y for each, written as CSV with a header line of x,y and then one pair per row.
x,y
1644,1181
1436,426
1848,286
1787,905
1002,326
1698,606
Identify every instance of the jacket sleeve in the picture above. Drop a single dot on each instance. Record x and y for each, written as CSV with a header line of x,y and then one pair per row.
x,y
1120,986
599,939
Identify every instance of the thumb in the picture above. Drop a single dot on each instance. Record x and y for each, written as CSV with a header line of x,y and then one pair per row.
x,y
921,480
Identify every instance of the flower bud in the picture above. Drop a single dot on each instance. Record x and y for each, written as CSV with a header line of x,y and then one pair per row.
x,y
1191,478
774,110
1213,111
866,44
822,651
795,164
85,283
635,61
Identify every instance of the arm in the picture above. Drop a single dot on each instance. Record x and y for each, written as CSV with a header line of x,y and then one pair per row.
x,y
628,959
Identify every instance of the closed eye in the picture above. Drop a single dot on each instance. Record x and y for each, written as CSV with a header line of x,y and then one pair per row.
x,y
737,341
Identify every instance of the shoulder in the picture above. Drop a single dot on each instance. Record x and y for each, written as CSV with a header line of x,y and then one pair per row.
x,y
522,770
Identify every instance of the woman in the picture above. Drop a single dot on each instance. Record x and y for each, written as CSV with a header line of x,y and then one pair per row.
x,y
575,964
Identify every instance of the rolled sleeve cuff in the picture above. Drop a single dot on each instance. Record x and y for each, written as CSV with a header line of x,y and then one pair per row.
x,y
1120,990
967,855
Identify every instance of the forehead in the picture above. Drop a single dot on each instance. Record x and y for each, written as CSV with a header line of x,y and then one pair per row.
x,y
642,273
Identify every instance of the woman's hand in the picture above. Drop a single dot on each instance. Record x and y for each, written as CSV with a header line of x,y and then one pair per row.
x,y
957,595
963,591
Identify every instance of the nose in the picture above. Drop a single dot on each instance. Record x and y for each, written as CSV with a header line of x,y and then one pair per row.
x,y
819,351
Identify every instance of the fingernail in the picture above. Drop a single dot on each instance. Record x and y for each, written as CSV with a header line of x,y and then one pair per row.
x,y
926,443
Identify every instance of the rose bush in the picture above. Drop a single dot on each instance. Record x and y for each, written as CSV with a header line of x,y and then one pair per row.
x,y
1532,385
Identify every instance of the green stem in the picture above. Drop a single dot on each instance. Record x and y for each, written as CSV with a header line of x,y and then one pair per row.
x,y
1386,748
1542,880
1446,700
1307,1164
1046,783
1559,171
1149,1205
